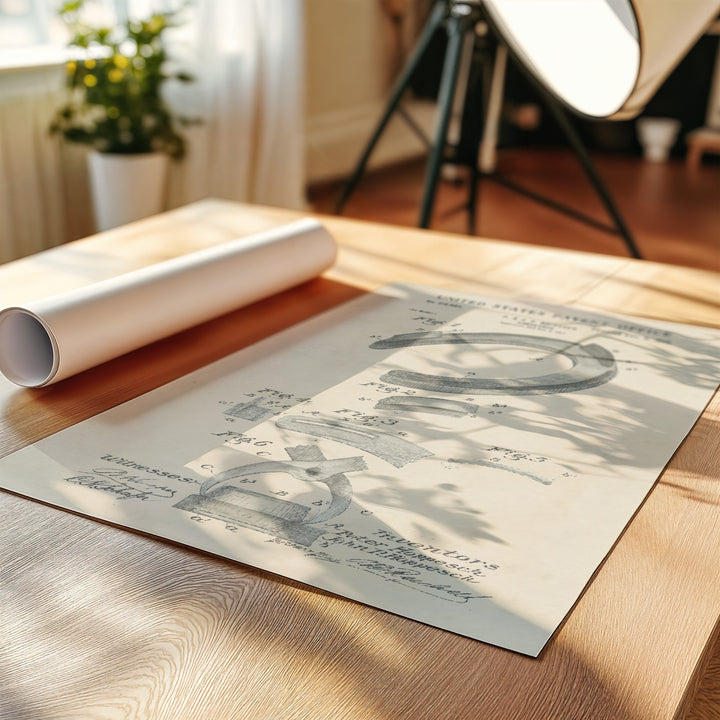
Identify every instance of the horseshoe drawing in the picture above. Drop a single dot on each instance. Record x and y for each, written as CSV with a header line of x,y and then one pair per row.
x,y
592,365
220,499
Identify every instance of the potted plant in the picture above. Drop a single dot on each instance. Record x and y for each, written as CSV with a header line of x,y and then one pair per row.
x,y
115,106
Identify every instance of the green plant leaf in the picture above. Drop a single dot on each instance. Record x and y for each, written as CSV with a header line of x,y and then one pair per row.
x,y
115,100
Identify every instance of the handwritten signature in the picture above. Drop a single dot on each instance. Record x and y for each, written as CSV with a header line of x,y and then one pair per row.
x,y
122,485
416,580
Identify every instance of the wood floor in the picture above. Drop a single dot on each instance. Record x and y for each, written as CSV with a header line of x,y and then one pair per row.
x,y
673,213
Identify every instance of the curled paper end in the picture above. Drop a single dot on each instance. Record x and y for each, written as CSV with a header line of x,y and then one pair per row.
x,y
28,352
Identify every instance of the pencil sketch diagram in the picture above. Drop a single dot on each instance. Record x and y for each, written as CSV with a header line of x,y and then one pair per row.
x,y
219,498
227,496
516,462
259,405
392,449
438,406
592,365
252,411
222,496
232,495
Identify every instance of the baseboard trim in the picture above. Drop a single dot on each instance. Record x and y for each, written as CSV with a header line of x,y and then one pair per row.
x,y
334,140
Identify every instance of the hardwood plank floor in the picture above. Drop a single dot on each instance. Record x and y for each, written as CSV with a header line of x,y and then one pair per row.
x,y
673,213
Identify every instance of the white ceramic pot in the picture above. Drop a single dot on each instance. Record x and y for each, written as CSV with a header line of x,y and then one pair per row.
x,y
126,187
657,135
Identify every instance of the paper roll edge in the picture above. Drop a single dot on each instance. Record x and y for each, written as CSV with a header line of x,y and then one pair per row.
x,y
29,354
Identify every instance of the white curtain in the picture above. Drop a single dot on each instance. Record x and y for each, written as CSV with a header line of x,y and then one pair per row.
x,y
248,57
32,207
248,60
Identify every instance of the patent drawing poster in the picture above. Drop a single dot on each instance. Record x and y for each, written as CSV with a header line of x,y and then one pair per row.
x,y
462,461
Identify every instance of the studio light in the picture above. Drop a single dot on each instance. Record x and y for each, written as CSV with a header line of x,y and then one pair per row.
x,y
602,58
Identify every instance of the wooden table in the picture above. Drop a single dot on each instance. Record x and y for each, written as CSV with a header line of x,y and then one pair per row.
x,y
98,622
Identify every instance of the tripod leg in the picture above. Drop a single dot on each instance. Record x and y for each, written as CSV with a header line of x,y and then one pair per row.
x,y
493,110
577,145
463,85
473,192
482,128
456,27
434,21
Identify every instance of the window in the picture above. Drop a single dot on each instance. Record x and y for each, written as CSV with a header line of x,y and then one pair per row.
x,y
32,34
23,23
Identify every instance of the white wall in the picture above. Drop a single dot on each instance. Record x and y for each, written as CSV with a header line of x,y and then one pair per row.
x,y
353,54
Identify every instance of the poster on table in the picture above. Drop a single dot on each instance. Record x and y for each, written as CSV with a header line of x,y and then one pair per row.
x,y
462,461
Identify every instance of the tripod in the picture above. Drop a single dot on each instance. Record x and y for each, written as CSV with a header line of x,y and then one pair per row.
x,y
460,18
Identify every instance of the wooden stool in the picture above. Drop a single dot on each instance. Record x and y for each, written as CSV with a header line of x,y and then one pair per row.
x,y
701,141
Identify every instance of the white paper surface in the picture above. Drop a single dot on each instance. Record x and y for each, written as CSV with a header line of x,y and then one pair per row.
x,y
50,339
462,461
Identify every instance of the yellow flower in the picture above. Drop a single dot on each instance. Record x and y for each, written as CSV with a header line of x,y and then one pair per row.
x,y
90,80
89,64
155,24
71,66
115,75
120,61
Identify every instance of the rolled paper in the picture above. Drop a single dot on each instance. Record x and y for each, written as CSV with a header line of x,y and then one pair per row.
x,y
53,338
